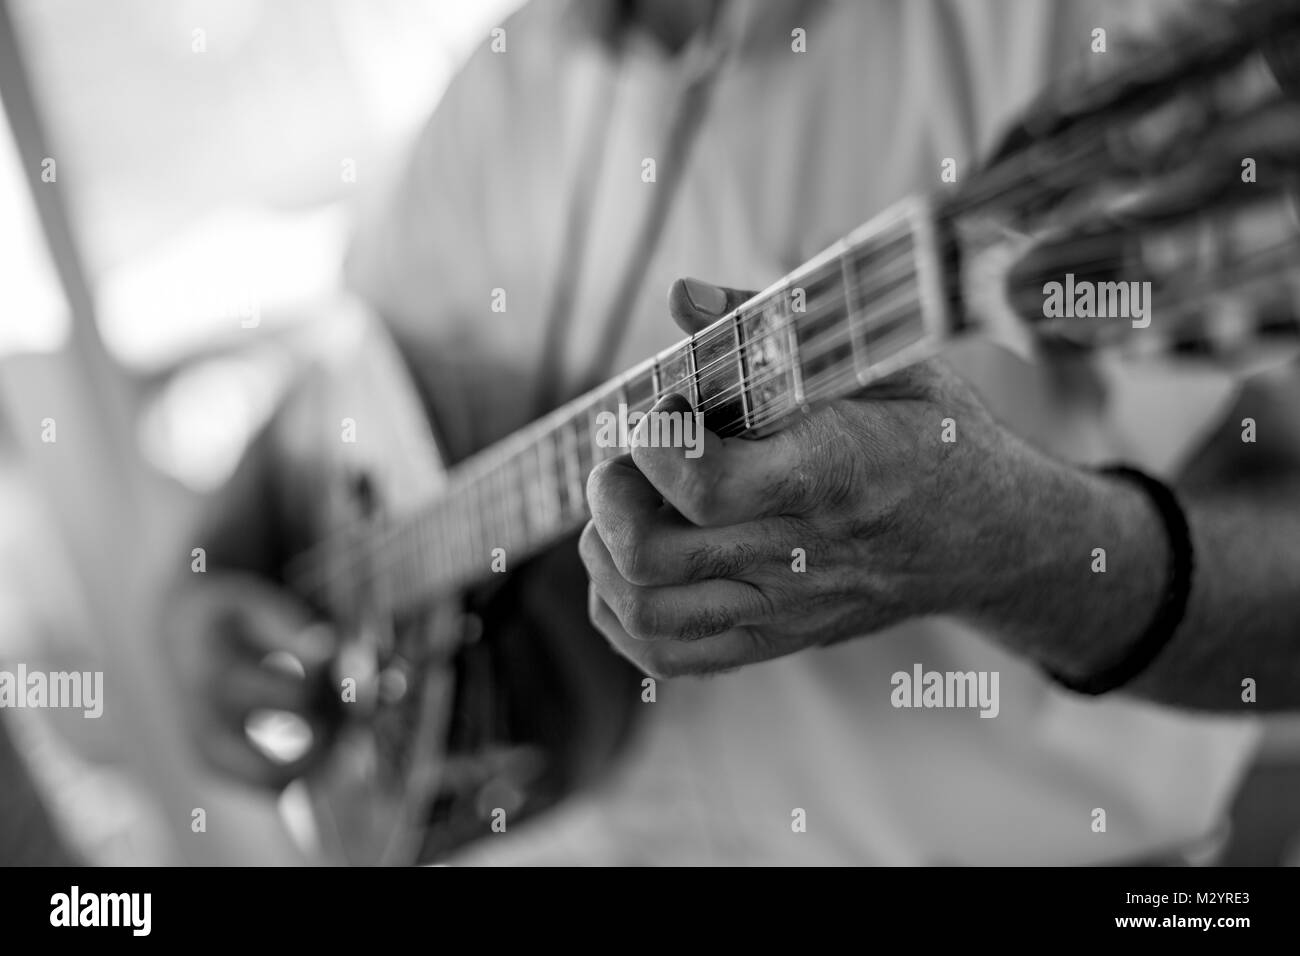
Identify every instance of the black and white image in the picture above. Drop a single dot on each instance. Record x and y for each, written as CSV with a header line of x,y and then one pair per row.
x,y
609,433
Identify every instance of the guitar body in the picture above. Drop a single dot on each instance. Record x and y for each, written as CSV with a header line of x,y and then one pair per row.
x,y
479,709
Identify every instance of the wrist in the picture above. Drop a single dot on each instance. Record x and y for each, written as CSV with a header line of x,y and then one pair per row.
x,y
1085,573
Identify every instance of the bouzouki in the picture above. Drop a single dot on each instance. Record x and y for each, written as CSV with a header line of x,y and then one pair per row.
x,y
1131,185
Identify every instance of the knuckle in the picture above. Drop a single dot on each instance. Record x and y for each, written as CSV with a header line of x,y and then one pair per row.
x,y
718,561
640,617
589,544
598,486
704,622
628,549
640,568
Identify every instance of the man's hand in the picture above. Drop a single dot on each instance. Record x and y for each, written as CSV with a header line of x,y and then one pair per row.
x,y
252,663
247,655
855,518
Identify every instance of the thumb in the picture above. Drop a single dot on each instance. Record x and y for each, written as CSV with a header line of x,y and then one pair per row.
x,y
694,304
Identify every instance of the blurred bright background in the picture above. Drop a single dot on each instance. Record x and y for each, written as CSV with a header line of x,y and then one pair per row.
x,y
209,154
212,148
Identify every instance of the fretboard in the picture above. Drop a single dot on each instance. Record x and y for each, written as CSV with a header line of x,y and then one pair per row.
x,y
866,307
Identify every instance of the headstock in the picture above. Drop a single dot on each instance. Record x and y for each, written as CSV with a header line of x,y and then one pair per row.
x,y
1170,179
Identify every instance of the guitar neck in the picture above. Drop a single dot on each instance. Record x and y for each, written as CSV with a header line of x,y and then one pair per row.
x,y
873,303
877,301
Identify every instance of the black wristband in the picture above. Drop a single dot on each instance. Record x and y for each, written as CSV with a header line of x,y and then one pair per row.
x,y
1173,602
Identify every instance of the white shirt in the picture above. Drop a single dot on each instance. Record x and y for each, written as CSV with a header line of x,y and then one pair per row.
x,y
797,149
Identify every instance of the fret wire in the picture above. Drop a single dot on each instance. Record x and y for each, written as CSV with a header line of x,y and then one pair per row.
x,y
517,483
713,332
449,546
431,558
336,554
417,561
597,453
459,544
460,520
565,506
454,549
502,532
558,479
740,367
620,404
520,495
694,375
582,442
581,467
612,399
471,545
763,299
442,561
440,518
571,505
761,420
507,492
674,370
492,484
796,360
527,492
474,544
836,340
475,488
482,508
572,465
839,340
549,487
428,555
483,512
468,529
509,534
545,481
852,308
477,537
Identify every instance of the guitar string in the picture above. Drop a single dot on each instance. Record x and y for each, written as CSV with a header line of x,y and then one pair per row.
x,y
760,415
1091,115
724,327
492,462
827,384
472,472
